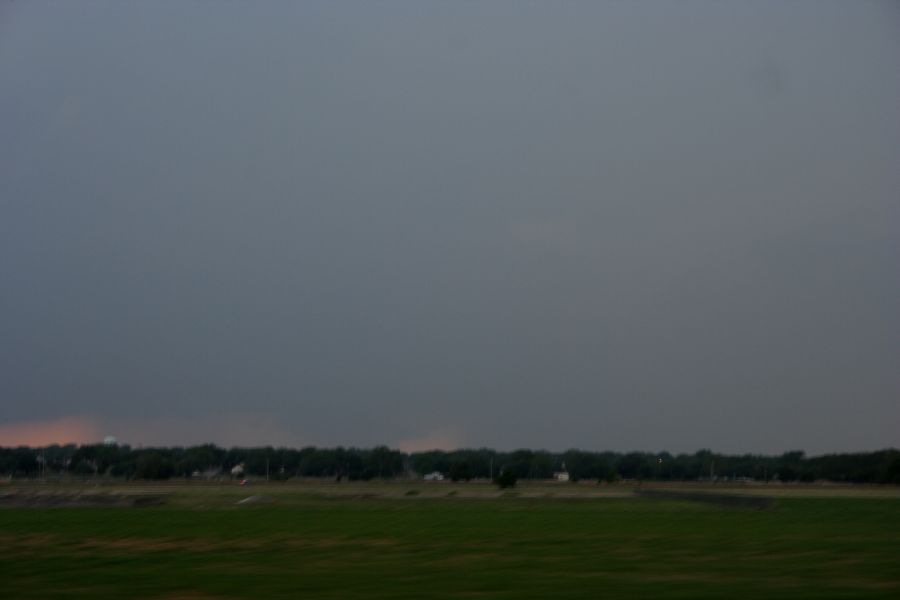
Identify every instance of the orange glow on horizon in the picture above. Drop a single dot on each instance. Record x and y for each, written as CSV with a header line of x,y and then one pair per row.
x,y
66,430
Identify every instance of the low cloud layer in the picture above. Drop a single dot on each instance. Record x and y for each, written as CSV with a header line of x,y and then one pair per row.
x,y
224,430
64,430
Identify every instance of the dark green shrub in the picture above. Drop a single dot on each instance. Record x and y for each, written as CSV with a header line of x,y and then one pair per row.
x,y
506,479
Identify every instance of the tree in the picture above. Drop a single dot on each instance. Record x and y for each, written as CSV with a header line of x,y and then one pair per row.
x,y
892,472
506,479
153,465
460,470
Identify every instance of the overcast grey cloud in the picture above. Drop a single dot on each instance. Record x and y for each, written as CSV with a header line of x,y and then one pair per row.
x,y
606,225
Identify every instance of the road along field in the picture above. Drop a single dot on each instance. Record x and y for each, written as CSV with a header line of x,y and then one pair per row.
x,y
409,540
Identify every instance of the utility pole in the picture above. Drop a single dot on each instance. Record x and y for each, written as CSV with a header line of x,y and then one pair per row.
x,y
492,468
267,469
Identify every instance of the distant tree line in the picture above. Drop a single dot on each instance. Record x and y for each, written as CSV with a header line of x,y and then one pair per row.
x,y
209,461
869,467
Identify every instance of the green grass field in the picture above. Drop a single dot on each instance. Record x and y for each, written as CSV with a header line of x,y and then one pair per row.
x,y
369,544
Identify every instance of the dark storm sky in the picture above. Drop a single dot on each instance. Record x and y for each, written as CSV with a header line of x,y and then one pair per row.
x,y
623,225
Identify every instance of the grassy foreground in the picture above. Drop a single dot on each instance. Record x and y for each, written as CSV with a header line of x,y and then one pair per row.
x,y
452,547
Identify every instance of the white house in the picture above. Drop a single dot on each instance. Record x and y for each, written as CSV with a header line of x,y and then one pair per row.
x,y
562,475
